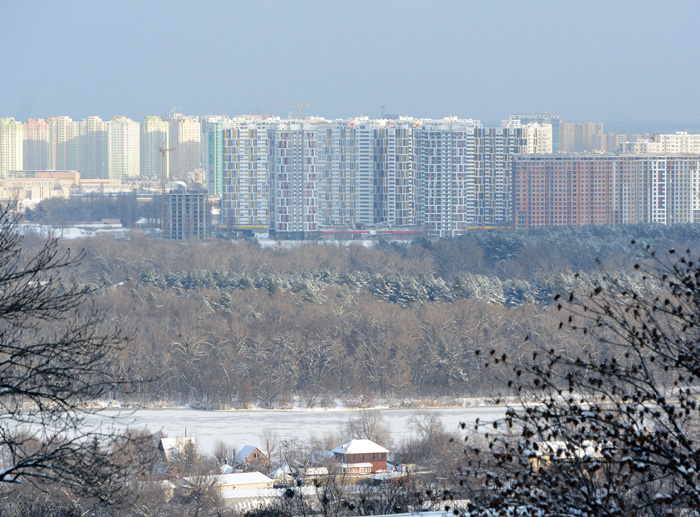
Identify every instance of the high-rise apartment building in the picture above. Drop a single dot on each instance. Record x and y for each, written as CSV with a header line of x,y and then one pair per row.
x,y
37,145
581,137
677,143
66,143
562,190
212,152
337,166
124,148
94,161
155,134
246,175
448,180
395,194
11,146
296,177
494,149
444,175
543,119
185,138
604,189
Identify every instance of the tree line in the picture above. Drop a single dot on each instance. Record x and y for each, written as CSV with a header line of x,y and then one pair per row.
x,y
235,324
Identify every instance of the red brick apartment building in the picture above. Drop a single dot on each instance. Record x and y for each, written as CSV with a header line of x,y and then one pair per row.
x,y
581,189
553,190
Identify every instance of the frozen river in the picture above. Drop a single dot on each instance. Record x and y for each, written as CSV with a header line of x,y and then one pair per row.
x,y
244,427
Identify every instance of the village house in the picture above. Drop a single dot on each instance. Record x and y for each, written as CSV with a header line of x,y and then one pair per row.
x,y
173,449
252,457
361,456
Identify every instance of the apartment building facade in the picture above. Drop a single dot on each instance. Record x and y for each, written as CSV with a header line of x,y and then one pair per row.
x,y
155,134
246,202
604,189
11,146
123,148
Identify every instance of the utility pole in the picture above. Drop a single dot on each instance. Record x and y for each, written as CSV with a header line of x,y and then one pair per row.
x,y
163,174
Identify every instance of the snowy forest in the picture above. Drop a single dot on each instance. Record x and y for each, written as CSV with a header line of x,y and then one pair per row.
x,y
233,324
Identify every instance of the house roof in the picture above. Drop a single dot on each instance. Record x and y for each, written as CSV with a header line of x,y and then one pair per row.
x,y
246,451
174,446
360,446
235,479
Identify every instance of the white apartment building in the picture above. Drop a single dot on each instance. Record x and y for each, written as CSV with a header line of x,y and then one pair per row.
x,y
124,148
246,170
678,143
37,145
11,146
296,177
445,155
65,137
94,161
443,175
336,161
185,138
155,133
463,170
395,196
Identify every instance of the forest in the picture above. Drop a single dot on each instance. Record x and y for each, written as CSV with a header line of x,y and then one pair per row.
x,y
233,324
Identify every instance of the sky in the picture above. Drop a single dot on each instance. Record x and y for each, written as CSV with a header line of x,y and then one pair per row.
x,y
625,63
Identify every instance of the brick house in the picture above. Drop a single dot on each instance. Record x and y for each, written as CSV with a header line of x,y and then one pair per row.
x,y
361,456
251,456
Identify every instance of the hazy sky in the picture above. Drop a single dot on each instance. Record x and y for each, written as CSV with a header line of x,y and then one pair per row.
x,y
612,61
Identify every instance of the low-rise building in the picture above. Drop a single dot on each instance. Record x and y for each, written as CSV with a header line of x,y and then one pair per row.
x,y
361,456
236,480
251,456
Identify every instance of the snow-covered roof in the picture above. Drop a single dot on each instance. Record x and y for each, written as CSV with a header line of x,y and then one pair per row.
x,y
246,451
259,493
174,446
281,472
234,479
360,446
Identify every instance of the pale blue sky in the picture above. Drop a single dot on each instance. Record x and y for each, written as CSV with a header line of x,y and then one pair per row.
x,y
615,61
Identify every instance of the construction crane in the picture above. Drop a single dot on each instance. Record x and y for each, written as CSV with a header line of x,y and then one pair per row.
x,y
299,105
163,174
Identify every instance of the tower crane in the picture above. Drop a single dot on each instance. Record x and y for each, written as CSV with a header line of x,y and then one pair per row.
x,y
163,174
299,105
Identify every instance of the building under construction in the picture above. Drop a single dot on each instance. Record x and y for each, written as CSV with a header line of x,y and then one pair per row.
x,y
187,212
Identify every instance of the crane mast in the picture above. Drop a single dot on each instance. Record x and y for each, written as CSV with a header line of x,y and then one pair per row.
x,y
299,105
163,175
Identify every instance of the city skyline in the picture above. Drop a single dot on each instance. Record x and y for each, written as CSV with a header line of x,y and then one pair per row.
x,y
599,61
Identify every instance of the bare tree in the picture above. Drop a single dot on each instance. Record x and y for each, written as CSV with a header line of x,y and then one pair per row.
x,y
224,453
270,442
369,424
611,429
53,363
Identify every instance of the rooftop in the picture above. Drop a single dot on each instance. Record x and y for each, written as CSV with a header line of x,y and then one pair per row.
x,y
360,446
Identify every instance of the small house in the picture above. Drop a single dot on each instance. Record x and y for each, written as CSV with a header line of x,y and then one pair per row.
x,y
250,456
173,449
361,456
